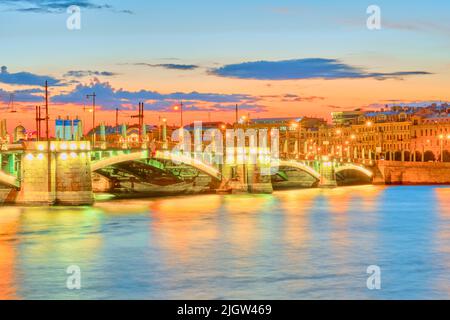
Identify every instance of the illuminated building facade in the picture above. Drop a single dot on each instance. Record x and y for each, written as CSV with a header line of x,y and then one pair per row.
x,y
398,133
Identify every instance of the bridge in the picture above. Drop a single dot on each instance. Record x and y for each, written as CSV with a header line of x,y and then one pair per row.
x,y
9,180
159,155
68,172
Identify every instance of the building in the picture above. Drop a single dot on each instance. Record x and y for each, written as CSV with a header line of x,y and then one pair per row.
x,y
20,134
275,121
399,133
127,134
343,118
68,129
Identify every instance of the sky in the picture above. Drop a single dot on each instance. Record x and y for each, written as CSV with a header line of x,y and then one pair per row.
x,y
273,58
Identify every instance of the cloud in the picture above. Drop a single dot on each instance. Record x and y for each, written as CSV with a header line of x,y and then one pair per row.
x,y
289,10
312,68
333,107
206,107
297,98
26,78
88,73
111,98
418,26
424,103
27,95
170,66
57,6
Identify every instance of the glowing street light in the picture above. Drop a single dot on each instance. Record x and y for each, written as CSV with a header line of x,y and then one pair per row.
x,y
94,133
180,108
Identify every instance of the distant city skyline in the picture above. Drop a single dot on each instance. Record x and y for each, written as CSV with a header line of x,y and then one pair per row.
x,y
283,58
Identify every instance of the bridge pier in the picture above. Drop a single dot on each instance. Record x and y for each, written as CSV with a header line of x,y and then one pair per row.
x,y
37,185
327,175
61,175
259,180
246,178
233,179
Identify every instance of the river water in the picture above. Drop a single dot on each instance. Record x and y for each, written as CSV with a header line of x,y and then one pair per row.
x,y
302,244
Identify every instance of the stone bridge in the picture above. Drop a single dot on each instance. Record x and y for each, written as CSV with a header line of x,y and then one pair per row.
x,y
9,180
159,155
235,177
61,172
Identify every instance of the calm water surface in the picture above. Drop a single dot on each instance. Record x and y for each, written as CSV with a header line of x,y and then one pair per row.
x,y
302,244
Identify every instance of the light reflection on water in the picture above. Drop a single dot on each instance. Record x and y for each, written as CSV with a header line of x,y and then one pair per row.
x,y
302,244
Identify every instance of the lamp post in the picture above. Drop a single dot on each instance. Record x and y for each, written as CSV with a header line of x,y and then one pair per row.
x,y
94,131
338,141
117,121
140,117
295,127
164,133
39,119
446,143
353,139
47,136
180,108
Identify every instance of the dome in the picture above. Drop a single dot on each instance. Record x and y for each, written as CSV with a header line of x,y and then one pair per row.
x,y
20,129
20,133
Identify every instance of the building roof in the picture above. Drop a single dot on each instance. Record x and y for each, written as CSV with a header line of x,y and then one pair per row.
x,y
276,120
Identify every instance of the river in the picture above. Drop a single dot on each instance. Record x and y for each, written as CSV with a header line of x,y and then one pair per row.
x,y
300,244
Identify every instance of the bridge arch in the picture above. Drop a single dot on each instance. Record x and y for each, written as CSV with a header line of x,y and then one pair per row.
x,y
354,167
8,180
300,166
159,155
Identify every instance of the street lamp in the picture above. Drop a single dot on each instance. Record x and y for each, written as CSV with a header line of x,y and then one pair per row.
x,y
94,131
295,127
180,108
164,133
353,139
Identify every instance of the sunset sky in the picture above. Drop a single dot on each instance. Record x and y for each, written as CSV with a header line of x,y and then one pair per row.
x,y
273,58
